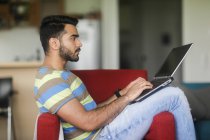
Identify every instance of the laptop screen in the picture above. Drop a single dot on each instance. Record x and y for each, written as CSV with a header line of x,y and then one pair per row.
x,y
173,61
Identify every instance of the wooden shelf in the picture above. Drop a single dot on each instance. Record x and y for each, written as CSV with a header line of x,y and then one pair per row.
x,y
20,12
20,64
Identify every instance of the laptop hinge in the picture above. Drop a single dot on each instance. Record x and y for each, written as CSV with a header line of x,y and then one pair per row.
x,y
162,77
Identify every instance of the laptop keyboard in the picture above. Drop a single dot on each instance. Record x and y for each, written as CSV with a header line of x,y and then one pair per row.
x,y
155,83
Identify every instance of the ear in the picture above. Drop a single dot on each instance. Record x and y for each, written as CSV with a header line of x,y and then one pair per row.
x,y
54,43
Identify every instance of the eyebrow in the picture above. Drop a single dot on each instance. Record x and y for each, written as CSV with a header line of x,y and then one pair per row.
x,y
71,35
74,35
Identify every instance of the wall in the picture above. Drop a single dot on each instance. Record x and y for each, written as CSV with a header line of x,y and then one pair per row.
x,y
19,44
196,29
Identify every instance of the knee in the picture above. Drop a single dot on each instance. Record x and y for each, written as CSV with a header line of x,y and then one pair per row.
x,y
176,93
178,98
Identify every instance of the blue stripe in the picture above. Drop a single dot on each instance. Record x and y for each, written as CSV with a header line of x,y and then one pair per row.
x,y
88,138
90,106
79,91
43,110
65,75
52,91
35,90
43,70
69,130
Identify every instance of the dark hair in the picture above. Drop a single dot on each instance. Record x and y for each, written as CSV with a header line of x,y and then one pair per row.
x,y
53,26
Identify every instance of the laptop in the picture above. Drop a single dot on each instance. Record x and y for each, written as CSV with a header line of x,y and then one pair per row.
x,y
165,74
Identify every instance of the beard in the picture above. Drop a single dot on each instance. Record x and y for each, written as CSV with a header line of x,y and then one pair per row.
x,y
67,55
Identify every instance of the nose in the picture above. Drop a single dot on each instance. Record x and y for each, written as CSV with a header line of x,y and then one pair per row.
x,y
79,43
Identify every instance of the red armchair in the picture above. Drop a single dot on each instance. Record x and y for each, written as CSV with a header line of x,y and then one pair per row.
x,y
101,84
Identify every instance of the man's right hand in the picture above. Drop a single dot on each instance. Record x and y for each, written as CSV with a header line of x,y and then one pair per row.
x,y
135,88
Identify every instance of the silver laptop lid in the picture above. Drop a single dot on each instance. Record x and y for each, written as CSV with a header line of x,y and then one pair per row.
x,y
173,60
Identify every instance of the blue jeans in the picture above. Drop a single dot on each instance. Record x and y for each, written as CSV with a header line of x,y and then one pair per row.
x,y
135,120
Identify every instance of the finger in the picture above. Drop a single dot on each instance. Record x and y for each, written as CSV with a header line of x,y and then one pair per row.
x,y
142,86
146,87
140,79
137,80
145,83
149,83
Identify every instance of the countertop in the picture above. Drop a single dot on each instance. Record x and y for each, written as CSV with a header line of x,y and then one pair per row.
x,y
30,64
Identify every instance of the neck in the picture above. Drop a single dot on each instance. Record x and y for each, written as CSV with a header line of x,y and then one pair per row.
x,y
54,62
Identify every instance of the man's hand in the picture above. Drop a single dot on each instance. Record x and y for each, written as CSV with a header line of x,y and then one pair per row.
x,y
135,88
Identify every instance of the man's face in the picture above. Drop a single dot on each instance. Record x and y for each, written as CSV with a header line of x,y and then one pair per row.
x,y
70,44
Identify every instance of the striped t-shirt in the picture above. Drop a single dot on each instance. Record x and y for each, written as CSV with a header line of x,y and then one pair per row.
x,y
54,88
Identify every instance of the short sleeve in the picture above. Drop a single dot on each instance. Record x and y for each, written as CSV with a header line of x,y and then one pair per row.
x,y
53,93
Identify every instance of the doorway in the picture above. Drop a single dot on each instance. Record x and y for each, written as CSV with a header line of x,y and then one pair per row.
x,y
149,29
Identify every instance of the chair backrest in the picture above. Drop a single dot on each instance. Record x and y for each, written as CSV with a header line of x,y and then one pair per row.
x,y
101,84
5,91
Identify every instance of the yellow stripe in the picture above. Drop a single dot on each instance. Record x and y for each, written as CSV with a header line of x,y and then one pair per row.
x,y
40,82
57,97
36,83
66,125
87,100
38,104
83,136
75,84
96,134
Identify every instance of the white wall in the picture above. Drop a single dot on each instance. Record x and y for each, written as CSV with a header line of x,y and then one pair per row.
x,y
196,29
19,44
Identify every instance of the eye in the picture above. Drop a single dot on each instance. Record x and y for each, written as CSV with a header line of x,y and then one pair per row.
x,y
72,38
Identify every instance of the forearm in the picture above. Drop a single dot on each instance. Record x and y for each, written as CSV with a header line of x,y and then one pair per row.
x,y
111,99
103,115
74,113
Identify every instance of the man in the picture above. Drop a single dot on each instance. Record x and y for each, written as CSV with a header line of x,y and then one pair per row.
x,y
60,92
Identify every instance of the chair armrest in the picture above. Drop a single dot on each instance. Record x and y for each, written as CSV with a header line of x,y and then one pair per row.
x,y
162,128
48,127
